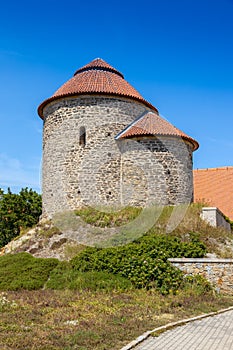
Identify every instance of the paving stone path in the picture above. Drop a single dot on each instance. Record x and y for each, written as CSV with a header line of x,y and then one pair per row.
x,y
211,333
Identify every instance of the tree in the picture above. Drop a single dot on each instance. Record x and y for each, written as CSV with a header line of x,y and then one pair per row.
x,y
18,211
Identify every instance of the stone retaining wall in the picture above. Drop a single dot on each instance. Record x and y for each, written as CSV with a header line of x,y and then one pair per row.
x,y
219,272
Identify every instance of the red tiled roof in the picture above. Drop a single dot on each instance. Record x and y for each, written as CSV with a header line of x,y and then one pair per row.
x,y
97,77
151,124
99,63
215,187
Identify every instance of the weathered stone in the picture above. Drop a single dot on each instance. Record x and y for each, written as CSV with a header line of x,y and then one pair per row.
x,y
219,272
106,171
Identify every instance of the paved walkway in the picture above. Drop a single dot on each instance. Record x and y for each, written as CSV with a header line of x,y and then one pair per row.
x,y
211,333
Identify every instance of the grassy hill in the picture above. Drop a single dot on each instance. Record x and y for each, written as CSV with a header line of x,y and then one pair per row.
x,y
101,298
65,236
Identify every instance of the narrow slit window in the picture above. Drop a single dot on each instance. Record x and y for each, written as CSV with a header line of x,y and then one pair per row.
x,y
82,136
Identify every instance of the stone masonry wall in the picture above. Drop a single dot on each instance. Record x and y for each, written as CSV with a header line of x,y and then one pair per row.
x,y
73,174
156,170
107,171
219,272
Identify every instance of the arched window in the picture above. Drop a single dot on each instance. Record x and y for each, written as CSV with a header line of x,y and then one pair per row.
x,y
82,136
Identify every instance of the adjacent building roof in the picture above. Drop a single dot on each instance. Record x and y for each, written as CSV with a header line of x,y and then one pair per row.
x,y
215,187
151,124
97,77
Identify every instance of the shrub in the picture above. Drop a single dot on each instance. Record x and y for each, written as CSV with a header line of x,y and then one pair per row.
x,y
143,262
198,284
140,264
18,211
23,271
146,270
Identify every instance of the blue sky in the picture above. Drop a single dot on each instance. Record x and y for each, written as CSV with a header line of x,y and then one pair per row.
x,y
177,54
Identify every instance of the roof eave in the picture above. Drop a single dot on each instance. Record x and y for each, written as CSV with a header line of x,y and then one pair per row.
x,y
73,94
194,143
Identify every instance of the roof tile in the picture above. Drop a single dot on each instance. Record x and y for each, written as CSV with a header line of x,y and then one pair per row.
x,y
214,186
96,77
151,124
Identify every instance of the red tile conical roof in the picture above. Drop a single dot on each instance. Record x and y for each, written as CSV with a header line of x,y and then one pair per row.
x,y
97,77
98,63
151,124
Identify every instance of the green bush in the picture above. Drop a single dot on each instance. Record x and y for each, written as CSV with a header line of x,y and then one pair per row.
x,y
143,262
18,211
146,270
140,264
173,246
197,283
23,271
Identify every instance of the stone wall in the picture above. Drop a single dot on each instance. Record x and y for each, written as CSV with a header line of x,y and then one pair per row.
x,y
215,217
73,174
219,272
156,170
108,171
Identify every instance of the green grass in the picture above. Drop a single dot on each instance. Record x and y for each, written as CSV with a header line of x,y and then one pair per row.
x,y
23,271
63,277
111,218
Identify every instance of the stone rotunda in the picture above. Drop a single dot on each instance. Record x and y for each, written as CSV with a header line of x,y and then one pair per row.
x,y
104,144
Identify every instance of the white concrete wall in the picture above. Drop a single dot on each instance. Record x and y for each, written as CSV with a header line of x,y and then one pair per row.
x,y
215,217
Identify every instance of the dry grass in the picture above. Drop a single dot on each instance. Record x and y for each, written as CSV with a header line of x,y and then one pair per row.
x,y
217,240
85,320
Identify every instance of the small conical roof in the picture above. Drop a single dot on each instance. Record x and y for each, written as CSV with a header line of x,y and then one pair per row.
x,y
151,124
98,63
97,77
